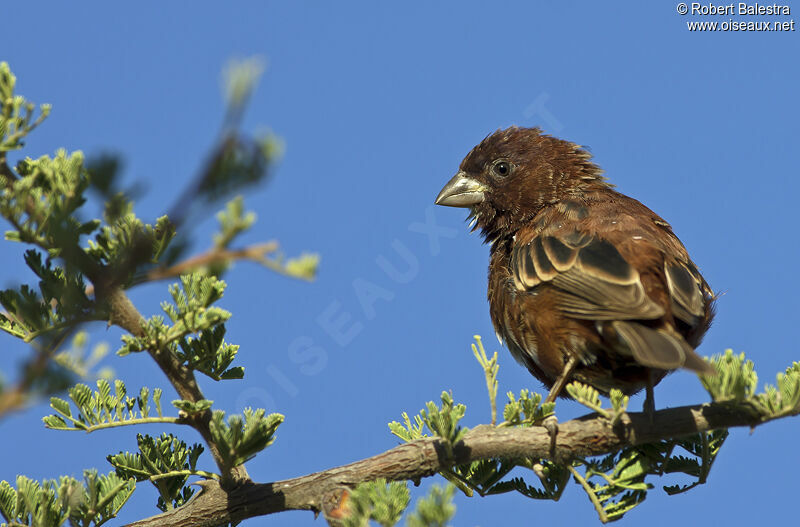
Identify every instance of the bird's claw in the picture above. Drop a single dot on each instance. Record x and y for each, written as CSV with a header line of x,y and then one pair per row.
x,y
551,425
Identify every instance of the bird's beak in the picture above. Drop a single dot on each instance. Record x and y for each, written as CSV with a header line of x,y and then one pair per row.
x,y
461,191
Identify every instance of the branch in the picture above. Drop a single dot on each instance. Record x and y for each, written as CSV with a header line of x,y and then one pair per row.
x,y
124,314
586,436
6,171
15,397
257,253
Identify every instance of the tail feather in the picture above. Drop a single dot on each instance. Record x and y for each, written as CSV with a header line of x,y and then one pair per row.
x,y
658,348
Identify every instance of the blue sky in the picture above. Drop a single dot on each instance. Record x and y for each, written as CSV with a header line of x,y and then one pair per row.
x,y
377,105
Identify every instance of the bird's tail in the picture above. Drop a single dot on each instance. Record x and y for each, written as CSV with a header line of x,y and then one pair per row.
x,y
660,348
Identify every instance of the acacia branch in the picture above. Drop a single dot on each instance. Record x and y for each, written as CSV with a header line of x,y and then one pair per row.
x,y
586,436
257,253
124,314
15,397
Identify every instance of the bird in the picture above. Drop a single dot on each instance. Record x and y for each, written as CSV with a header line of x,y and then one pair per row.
x,y
585,283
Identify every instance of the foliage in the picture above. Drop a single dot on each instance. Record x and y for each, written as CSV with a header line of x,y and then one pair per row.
x,y
58,301
617,482
81,362
242,437
784,397
50,503
384,503
166,462
83,269
441,421
735,379
128,243
526,410
590,398
379,501
233,220
102,409
434,510
16,114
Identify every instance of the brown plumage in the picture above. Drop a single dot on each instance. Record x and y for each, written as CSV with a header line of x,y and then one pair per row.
x,y
585,283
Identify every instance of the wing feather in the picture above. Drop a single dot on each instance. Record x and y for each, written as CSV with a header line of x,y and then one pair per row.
x,y
659,348
592,279
688,303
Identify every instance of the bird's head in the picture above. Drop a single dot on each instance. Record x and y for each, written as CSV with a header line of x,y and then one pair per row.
x,y
513,173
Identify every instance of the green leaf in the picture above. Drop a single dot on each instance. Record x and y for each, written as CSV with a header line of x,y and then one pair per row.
x,y
304,266
434,510
103,497
210,354
128,244
408,431
51,503
102,408
379,501
735,379
17,115
241,438
526,410
619,401
784,398
8,501
40,203
27,315
191,313
166,462
484,476
232,222
587,396
444,421
552,476
190,407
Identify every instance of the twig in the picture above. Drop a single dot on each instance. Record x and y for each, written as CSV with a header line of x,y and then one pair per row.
x,y
256,253
592,496
15,397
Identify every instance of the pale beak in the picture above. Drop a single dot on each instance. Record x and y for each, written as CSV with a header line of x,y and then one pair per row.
x,y
461,191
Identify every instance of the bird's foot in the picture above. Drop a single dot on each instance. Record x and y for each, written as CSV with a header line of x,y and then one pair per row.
x,y
551,425
649,406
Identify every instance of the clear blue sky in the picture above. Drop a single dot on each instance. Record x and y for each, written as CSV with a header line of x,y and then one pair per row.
x,y
378,105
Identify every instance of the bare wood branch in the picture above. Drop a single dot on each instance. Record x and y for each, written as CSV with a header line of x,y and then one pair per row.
x,y
587,436
256,253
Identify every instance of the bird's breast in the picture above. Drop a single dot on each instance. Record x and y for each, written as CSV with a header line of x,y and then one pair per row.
x,y
513,316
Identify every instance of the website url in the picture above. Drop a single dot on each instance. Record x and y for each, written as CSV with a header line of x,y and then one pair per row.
x,y
735,25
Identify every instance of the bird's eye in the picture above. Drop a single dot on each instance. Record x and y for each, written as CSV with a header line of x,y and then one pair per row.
x,y
501,168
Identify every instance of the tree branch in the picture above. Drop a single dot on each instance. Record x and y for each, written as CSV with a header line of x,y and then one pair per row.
x,y
586,436
257,253
124,314
15,397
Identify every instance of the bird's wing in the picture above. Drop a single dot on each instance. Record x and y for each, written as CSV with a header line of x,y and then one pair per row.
x,y
687,291
592,279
